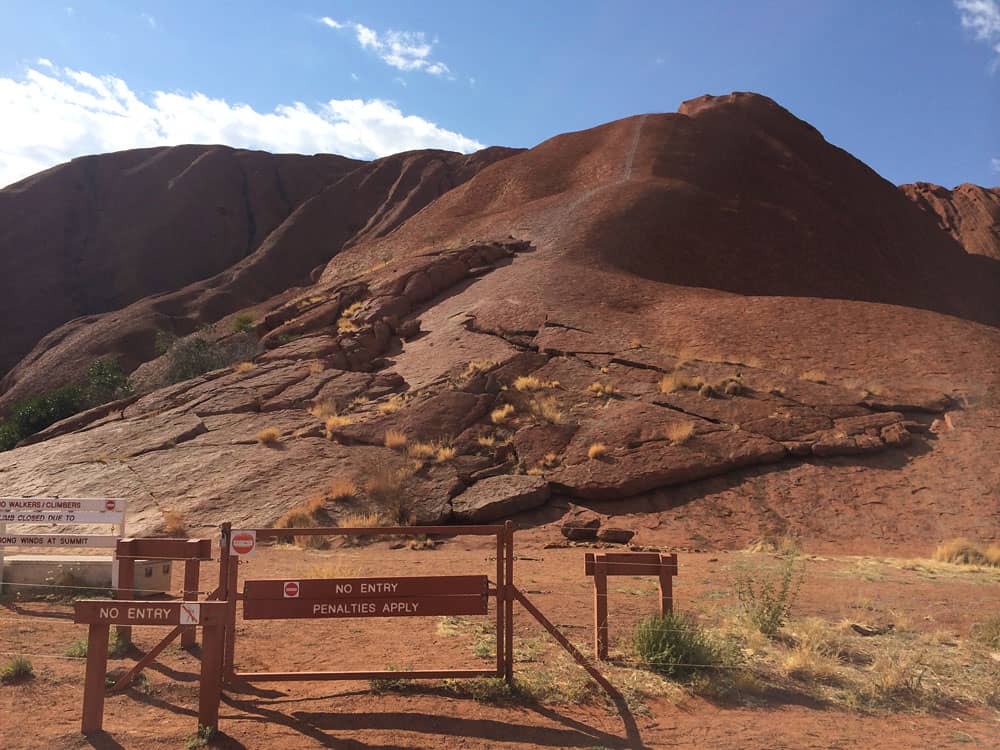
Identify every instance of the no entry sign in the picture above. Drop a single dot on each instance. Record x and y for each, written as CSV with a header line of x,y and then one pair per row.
x,y
242,543
103,612
365,597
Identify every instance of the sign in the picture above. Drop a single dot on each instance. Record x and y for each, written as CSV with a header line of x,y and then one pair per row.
x,y
60,541
68,505
61,516
242,543
190,613
113,612
425,606
365,597
387,586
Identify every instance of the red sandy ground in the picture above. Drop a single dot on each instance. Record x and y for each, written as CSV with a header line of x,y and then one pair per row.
x,y
45,712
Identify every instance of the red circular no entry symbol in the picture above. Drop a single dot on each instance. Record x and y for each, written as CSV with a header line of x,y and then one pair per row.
x,y
243,543
109,505
291,589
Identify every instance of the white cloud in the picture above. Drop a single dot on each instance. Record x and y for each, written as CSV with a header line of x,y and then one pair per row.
x,y
149,19
59,114
982,18
354,76
995,163
46,62
403,50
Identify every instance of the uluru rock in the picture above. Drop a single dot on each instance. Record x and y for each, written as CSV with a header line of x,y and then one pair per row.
x,y
497,497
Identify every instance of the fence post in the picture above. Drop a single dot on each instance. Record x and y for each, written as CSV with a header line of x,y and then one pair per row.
x,y
126,586
600,606
93,684
508,597
501,601
192,575
210,687
668,569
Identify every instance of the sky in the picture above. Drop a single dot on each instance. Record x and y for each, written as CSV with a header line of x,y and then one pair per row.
x,y
911,87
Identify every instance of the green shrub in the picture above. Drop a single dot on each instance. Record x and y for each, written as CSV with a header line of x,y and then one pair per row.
x,y
16,669
117,646
195,355
766,597
243,323
675,645
103,381
106,381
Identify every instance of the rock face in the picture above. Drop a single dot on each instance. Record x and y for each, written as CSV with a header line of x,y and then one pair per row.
x,y
214,229
969,213
499,497
712,303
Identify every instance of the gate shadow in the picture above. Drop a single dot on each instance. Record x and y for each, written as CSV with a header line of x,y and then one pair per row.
x,y
315,725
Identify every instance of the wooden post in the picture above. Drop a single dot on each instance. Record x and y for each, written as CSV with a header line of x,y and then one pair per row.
x,y
668,569
126,586
192,571
600,607
210,688
508,599
93,685
501,605
232,591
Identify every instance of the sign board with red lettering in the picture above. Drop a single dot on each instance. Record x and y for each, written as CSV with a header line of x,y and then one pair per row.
x,y
365,597
242,543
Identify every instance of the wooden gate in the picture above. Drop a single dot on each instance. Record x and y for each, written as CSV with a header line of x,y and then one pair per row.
x,y
385,596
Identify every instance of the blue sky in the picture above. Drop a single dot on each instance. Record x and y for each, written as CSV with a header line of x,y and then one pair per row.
x,y
912,87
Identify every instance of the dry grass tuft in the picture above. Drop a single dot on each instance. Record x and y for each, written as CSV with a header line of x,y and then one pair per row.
x,y
475,367
963,552
677,381
316,367
269,436
304,516
486,441
530,383
335,422
384,486
444,454
244,367
678,433
602,390
174,524
346,324
546,409
502,414
362,521
421,451
394,439
342,489
323,409
394,404
596,450
815,376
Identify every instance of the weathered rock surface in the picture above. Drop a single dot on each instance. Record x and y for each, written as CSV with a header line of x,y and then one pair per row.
x,y
498,497
969,213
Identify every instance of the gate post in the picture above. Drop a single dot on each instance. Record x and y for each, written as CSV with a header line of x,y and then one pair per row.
x,y
508,598
668,569
93,684
600,606
501,600
210,687
126,586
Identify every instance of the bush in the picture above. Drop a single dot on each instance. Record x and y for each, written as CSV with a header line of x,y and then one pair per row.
x,y
963,552
675,645
195,355
104,381
767,597
16,669
243,323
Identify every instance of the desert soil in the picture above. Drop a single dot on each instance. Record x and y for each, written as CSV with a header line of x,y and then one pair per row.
x,y
944,600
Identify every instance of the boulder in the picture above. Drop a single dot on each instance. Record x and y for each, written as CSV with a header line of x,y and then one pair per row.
x,y
615,535
578,529
498,497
